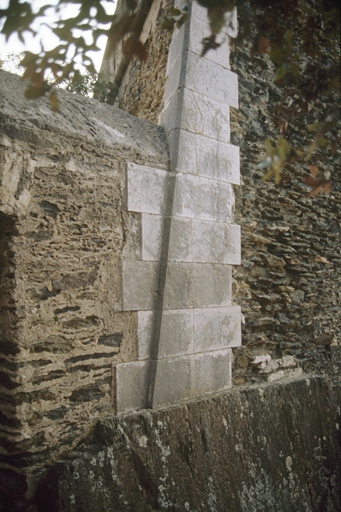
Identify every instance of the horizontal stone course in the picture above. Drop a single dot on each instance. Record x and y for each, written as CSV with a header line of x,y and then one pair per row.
x,y
190,240
151,191
177,379
187,285
188,331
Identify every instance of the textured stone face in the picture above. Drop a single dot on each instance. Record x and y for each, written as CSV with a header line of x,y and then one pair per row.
x,y
269,447
289,282
65,229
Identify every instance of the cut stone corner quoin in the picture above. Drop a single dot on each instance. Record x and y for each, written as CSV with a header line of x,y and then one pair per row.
x,y
182,285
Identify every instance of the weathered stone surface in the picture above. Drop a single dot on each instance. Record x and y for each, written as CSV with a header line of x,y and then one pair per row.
x,y
171,379
155,191
203,76
197,154
176,335
217,328
268,447
196,113
288,284
179,242
64,230
187,285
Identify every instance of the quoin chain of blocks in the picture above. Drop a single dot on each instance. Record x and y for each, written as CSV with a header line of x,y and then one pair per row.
x,y
182,285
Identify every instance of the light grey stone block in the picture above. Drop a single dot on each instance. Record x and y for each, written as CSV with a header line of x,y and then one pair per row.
x,y
183,151
140,285
204,156
212,372
218,160
173,381
231,25
176,335
202,76
211,79
217,328
147,189
202,198
177,379
200,29
186,377
198,114
179,238
194,196
197,285
216,242
211,285
131,385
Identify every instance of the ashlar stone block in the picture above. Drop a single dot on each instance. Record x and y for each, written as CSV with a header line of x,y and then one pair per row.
x,y
199,28
202,198
231,25
175,335
177,379
202,76
178,239
217,328
152,191
147,189
131,385
204,156
216,242
196,113
140,282
197,285
216,159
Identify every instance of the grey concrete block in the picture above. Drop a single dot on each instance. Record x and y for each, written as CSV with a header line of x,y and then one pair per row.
x,y
176,334
216,242
178,239
217,328
140,285
198,114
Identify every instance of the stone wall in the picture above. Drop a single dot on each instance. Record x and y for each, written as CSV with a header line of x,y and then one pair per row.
x,y
289,282
288,285
142,88
273,447
65,231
